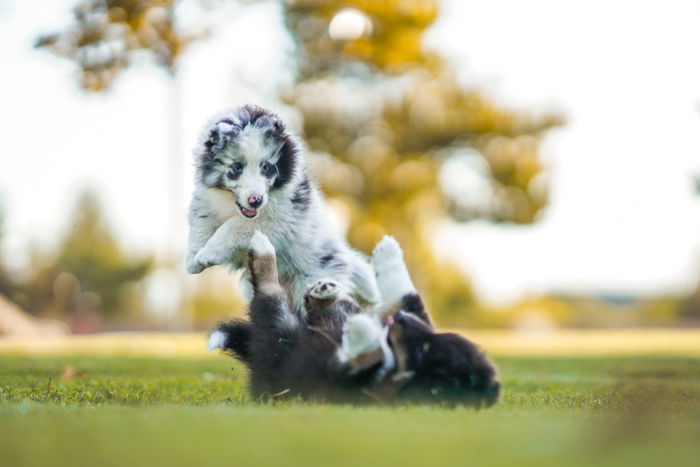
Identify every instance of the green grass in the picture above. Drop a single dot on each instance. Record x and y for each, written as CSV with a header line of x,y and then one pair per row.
x,y
129,411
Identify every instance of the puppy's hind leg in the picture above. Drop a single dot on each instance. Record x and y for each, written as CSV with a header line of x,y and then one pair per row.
x,y
394,282
327,305
271,305
322,293
262,264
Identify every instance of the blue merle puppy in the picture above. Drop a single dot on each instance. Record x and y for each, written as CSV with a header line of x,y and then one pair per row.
x,y
251,176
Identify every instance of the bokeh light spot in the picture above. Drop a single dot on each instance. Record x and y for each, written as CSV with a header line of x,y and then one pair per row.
x,y
349,25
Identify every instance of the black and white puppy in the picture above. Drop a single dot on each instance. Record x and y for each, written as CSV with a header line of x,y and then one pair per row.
x,y
252,177
338,352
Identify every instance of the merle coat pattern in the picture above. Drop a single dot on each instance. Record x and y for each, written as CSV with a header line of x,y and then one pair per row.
x,y
251,176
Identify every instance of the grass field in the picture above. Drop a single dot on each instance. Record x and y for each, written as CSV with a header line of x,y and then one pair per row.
x,y
102,403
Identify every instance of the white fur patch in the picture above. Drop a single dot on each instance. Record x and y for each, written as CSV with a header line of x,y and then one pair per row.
x,y
389,362
225,127
261,245
251,143
363,333
217,339
392,275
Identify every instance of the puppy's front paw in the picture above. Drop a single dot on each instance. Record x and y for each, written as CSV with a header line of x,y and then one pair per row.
x,y
193,267
205,259
324,289
260,245
387,255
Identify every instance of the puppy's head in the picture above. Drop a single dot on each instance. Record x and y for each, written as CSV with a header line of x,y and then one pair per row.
x,y
248,153
441,366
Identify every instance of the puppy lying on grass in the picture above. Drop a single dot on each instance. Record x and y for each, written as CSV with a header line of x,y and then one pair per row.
x,y
338,352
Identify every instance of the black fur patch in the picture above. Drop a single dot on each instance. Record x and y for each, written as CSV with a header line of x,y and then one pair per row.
x,y
207,163
412,303
329,252
326,259
454,370
287,162
301,200
237,334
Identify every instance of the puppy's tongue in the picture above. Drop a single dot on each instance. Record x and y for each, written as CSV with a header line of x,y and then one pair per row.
x,y
249,212
389,320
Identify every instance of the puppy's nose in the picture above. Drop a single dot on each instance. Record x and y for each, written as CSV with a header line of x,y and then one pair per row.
x,y
255,201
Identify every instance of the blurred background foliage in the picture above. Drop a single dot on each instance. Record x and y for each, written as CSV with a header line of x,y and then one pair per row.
x,y
399,144
106,35
87,276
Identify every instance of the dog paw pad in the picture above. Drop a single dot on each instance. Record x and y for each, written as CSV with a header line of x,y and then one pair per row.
x,y
324,289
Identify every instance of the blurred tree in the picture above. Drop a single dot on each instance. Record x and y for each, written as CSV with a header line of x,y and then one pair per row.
x,y
90,253
107,35
690,307
399,143
6,284
88,272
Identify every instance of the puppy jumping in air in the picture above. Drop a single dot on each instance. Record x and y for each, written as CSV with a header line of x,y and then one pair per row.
x,y
251,176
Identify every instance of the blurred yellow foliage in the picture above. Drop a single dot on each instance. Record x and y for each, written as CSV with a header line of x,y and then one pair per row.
x,y
383,115
106,32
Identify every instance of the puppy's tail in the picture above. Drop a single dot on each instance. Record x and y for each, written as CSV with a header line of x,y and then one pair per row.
x,y
231,337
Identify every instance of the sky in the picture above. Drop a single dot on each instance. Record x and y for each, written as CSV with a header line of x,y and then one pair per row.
x,y
623,217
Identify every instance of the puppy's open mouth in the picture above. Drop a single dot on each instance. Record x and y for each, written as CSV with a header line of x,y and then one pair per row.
x,y
249,213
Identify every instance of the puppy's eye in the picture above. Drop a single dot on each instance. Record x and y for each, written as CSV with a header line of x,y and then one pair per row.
x,y
268,170
235,171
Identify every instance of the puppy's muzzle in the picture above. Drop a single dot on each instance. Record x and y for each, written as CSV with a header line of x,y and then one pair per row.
x,y
255,201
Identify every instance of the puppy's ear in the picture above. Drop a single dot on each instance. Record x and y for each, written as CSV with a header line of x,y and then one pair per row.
x,y
272,126
219,135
